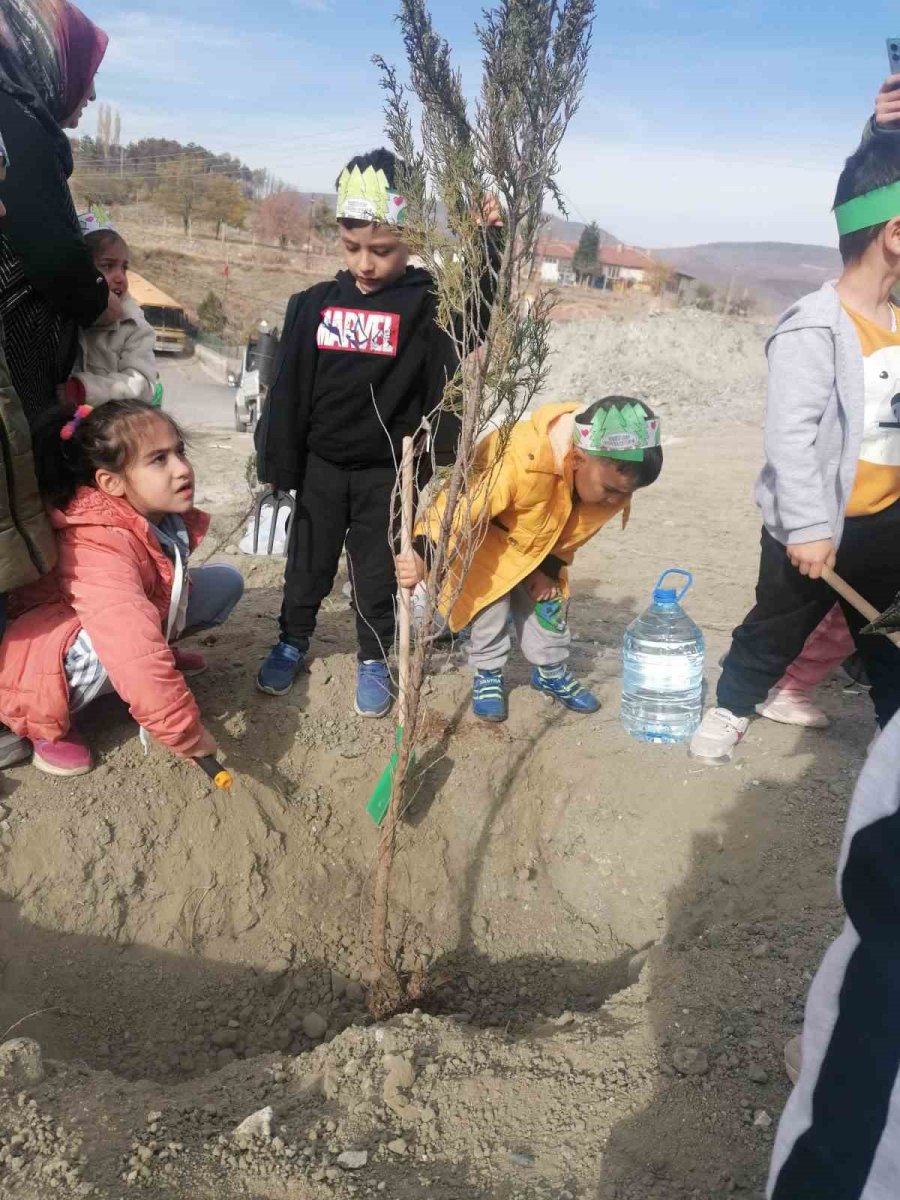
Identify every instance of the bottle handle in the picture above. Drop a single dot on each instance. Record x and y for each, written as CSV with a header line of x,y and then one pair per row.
x,y
676,571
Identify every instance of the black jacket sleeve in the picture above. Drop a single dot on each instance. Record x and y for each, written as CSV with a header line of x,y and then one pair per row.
x,y
284,424
40,223
479,309
444,360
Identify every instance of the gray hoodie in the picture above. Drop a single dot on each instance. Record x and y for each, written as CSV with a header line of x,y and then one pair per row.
x,y
814,420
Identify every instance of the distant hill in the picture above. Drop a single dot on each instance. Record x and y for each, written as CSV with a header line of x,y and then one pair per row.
x,y
777,273
558,229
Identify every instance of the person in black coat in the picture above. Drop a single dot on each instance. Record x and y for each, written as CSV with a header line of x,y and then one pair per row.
x,y
49,286
362,361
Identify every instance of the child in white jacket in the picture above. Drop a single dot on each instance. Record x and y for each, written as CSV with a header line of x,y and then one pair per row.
x,y
115,362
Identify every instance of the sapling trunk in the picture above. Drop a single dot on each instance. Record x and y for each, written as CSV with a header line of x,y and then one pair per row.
x,y
534,56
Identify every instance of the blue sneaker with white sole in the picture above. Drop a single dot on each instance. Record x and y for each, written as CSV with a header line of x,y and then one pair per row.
x,y
489,696
280,669
374,696
560,684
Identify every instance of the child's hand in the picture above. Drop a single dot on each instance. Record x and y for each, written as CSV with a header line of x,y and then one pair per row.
x,y
410,569
115,311
887,102
541,587
810,557
206,747
491,210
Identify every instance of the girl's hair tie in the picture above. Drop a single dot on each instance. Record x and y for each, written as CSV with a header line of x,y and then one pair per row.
x,y
68,430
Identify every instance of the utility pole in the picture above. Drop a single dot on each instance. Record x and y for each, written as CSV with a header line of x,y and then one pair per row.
x,y
121,160
312,201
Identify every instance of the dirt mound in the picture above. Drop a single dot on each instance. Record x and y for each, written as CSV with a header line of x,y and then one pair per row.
x,y
202,956
687,365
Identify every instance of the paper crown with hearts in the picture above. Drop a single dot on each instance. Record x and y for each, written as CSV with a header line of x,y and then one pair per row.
x,y
95,220
622,433
368,196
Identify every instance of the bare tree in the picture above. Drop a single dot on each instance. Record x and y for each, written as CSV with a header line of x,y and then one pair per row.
x,y
282,217
180,188
534,55
222,201
104,128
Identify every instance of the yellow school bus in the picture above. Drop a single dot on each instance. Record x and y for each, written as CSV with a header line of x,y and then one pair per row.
x,y
165,314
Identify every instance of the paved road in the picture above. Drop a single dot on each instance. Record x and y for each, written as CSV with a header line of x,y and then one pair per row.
x,y
192,397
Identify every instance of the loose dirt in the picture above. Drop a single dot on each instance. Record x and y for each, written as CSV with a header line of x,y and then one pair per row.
x,y
618,940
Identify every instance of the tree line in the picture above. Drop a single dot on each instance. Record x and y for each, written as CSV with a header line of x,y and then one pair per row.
x,y
190,183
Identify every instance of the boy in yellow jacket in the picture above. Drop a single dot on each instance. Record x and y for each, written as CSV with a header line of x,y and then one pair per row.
x,y
561,476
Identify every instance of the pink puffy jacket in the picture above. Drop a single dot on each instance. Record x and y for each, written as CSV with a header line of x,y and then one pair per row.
x,y
114,580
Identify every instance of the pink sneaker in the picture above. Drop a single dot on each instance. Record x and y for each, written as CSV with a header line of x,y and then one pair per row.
x,y
69,756
189,662
792,708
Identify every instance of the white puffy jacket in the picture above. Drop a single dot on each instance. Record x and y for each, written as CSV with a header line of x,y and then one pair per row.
x,y
116,362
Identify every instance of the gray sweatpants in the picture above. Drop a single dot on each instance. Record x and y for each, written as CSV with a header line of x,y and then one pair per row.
x,y
490,641
839,1137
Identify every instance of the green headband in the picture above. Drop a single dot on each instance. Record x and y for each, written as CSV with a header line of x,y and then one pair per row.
x,y
367,196
874,208
621,433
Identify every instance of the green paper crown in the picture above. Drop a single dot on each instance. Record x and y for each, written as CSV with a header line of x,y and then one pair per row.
x,y
623,433
874,208
367,196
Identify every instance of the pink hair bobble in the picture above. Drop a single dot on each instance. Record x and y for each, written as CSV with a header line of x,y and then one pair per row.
x,y
68,430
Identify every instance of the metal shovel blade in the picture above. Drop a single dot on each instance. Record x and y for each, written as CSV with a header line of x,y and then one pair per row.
x,y
888,621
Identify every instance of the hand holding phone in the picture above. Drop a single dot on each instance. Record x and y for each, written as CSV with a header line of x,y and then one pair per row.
x,y
887,102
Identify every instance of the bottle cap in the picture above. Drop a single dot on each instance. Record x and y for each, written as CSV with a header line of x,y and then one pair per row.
x,y
667,595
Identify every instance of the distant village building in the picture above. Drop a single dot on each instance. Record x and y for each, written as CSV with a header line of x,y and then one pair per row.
x,y
555,262
619,269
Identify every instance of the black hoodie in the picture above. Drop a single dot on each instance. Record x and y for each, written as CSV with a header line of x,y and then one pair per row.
x,y
357,373
371,376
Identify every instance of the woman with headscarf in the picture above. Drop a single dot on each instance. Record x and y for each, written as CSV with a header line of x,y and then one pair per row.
x,y
49,286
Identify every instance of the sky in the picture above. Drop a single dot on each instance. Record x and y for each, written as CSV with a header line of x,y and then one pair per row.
x,y
702,120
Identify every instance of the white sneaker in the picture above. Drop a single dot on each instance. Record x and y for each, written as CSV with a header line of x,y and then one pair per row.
x,y
793,1058
719,733
792,708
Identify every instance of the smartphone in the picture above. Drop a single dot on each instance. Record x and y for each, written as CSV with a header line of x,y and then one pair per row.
x,y
893,49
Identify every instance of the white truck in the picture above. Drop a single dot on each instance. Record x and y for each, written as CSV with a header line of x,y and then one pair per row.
x,y
247,397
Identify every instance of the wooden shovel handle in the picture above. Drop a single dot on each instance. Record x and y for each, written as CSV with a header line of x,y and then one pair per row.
x,y
851,595
407,472
855,600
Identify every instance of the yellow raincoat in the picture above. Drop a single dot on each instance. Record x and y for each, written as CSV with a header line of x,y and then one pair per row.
x,y
522,507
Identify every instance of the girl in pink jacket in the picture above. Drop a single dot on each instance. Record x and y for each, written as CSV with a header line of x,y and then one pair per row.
x,y
121,490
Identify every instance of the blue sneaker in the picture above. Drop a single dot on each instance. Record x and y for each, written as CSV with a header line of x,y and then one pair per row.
x,y
277,674
560,684
373,689
489,696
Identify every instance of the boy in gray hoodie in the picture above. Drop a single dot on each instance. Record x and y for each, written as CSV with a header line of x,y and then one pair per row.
x,y
830,487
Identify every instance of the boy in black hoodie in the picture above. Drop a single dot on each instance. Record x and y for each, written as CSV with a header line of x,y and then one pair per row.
x,y
362,361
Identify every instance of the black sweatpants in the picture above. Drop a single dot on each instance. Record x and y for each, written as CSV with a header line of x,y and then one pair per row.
x,y
789,606
338,505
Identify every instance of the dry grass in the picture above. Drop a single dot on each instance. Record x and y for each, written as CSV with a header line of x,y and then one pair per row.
x,y
260,278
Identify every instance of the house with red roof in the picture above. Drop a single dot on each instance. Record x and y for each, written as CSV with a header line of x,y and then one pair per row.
x,y
619,269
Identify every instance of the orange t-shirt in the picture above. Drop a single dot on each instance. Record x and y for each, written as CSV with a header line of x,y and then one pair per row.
x,y
877,483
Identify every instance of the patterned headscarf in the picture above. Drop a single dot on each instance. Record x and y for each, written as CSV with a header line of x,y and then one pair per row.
x,y
49,55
